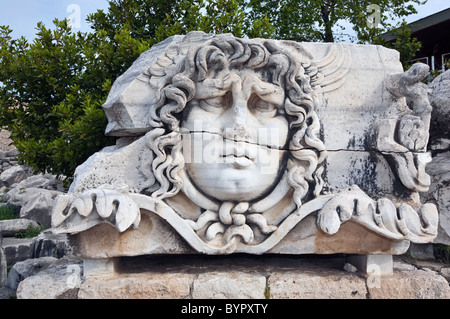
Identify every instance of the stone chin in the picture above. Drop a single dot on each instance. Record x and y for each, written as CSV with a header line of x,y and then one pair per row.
x,y
236,178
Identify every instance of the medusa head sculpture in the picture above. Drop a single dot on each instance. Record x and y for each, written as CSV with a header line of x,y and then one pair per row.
x,y
224,142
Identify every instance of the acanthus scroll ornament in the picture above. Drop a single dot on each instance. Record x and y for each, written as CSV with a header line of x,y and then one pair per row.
x,y
108,205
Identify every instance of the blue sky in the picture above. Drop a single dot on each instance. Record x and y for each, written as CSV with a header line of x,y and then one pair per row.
x,y
23,15
432,6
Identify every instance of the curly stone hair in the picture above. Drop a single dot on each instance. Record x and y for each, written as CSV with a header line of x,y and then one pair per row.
x,y
281,66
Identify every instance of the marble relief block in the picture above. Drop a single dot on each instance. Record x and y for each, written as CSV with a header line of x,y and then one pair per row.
x,y
229,145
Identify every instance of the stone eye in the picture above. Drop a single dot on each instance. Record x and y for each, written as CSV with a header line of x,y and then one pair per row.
x,y
215,101
261,105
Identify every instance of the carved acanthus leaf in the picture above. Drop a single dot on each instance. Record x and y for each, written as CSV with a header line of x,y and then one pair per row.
x,y
104,204
123,210
381,216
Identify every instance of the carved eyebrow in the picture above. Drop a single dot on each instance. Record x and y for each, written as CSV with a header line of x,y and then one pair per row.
x,y
276,100
210,88
251,85
268,92
215,87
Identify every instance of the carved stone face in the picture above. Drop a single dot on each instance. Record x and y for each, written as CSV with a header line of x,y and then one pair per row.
x,y
238,136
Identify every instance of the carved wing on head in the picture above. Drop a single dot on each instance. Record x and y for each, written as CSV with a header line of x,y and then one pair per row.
x,y
332,69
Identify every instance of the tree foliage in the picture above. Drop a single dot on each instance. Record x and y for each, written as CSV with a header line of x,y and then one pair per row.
x,y
52,89
322,20
155,20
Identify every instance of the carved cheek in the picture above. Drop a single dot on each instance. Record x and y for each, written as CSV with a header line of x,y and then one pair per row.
x,y
200,120
274,132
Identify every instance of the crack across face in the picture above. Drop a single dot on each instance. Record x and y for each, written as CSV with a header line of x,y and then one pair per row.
x,y
235,136
223,149
237,117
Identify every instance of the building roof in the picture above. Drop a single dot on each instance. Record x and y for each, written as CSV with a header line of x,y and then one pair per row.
x,y
424,23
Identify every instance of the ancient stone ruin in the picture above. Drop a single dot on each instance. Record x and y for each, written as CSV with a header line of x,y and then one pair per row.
x,y
257,146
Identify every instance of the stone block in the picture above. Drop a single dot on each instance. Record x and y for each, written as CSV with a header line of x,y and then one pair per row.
x,y
229,285
45,181
316,285
17,249
6,293
439,97
61,280
3,264
416,284
27,268
421,251
400,265
9,228
47,244
12,153
13,175
239,277
445,272
44,245
34,203
440,192
137,286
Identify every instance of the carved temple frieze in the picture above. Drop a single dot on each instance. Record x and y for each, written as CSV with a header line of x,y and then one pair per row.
x,y
229,145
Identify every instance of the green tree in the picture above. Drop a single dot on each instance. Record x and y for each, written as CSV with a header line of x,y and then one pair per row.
x,y
155,20
141,17
319,20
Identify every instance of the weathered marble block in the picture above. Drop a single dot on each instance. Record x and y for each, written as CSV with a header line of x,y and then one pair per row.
x,y
257,146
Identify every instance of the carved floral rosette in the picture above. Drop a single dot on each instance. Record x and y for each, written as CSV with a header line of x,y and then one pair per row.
x,y
264,145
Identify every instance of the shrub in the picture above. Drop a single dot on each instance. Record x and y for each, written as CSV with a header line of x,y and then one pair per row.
x,y
7,212
30,232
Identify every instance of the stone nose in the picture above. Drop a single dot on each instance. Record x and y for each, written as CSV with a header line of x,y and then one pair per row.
x,y
239,121
237,133
240,112
238,125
